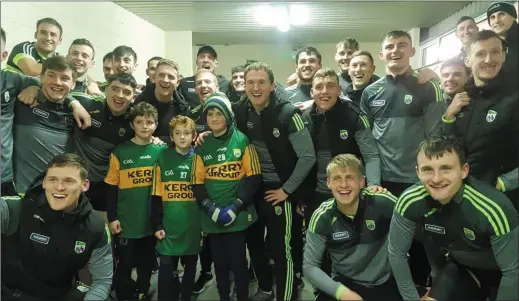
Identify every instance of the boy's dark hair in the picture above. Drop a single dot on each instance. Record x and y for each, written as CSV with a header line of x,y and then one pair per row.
x,y
144,109
395,34
257,66
236,69
364,52
155,58
84,42
348,43
108,57
123,78
455,61
249,62
50,21
436,146
308,50
4,38
58,63
123,50
324,72
484,35
73,160
465,18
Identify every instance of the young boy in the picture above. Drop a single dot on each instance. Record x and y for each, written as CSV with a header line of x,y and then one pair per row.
x,y
130,179
226,174
175,216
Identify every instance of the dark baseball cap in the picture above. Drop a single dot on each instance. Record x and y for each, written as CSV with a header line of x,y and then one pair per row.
x,y
207,49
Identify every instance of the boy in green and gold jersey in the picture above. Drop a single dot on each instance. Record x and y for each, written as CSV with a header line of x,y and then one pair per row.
x,y
226,174
175,216
130,181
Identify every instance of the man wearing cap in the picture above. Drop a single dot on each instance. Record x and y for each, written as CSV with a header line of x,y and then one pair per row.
x,y
206,58
502,18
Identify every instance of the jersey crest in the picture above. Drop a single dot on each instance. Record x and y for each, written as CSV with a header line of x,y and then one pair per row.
x,y
469,234
491,115
370,224
79,247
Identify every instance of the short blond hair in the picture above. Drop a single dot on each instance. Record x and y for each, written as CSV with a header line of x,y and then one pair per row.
x,y
202,71
181,120
345,161
173,64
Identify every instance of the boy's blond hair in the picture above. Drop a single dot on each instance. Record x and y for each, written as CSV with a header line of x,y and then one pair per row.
x,y
181,120
345,161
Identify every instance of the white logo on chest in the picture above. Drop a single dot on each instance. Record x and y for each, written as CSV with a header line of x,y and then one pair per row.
x,y
435,229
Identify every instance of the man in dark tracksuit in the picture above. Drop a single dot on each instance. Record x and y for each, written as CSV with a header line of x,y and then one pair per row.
x,y
163,95
337,127
207,59
286,155
110,126
353,229
470,221
51,234
486,118
502,17
398,108
308,61
361,71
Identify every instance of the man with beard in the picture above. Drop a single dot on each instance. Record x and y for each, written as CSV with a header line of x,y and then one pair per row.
x,y
361,71
237,86
453,78
486,116
207,59
502,17
474,224
465,29
164,96
308,61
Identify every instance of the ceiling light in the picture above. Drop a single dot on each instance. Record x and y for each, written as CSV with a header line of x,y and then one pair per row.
x,y
299,14
282,16
283,26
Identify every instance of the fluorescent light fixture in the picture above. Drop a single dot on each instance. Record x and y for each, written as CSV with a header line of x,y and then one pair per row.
x,y
282,16
299,14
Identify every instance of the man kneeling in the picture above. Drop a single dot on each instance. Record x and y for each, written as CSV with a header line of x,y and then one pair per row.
x,y
352,227
51,234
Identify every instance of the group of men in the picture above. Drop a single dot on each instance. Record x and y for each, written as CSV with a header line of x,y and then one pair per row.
x,y
404,185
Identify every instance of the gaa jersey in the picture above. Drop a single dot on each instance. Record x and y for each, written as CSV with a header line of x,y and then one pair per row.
x,y
24,50
181,215
131,170
221,164
198,116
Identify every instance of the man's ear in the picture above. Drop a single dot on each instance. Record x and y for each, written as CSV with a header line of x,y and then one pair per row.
x,y
86,185
413,51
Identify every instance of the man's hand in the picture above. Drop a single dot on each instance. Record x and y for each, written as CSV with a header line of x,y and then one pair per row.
x,y
160,235
376,189
200,139
498,185
83,119
303,106
157,141
300,209
275,196
115,227
426,75
426,296
459,101
29,96
93,89
348,294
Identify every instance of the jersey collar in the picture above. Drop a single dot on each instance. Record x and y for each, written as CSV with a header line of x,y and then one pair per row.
x,y
459,195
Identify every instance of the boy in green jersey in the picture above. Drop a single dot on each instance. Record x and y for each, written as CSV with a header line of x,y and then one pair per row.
x,y
226,174
129,182
175,216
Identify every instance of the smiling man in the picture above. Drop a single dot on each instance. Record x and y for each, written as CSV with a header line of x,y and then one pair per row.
x,y
472,222
51,234
361,71
28,57
308,61
465,29
81,55
352,227
486,116
163,95
237,86
206,59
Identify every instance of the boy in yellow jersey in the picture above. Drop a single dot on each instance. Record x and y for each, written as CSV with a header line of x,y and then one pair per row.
x,y
175,216
129,182
226,175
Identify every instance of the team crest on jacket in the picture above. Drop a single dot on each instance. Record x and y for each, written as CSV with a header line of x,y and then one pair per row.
x,y
491,115
275,132
408,99
236,152
370,224
278,210
469,234
6,96
79,247
122,131
343,134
